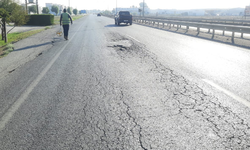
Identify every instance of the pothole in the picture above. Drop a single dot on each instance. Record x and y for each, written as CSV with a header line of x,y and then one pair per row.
x,y
120,45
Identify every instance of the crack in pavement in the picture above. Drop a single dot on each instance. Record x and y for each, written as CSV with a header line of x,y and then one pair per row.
x,y
134,121
125,100
187,99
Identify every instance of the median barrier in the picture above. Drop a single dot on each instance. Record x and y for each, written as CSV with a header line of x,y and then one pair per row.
x,y
222,27
206,20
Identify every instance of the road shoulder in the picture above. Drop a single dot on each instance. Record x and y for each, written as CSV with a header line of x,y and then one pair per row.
x,y
27,50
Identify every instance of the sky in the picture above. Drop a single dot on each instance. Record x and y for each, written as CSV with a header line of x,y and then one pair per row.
x,y
153,4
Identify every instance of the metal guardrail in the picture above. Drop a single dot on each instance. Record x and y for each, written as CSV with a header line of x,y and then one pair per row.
x,y
239,21
223,27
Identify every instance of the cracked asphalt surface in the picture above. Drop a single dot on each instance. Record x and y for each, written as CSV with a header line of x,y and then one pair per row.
x,y
107,90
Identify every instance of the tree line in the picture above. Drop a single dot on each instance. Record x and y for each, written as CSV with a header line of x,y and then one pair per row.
x,y
55,9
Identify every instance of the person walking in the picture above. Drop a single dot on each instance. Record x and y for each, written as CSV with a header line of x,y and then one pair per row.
x,y
64,20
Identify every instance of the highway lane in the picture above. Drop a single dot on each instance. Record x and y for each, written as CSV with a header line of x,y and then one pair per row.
x,y
106,88
226,65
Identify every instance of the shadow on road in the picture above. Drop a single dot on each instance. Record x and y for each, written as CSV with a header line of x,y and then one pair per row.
x,y
32,46
113,25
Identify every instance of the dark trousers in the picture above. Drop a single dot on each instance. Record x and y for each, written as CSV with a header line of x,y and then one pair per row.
x,y
66,30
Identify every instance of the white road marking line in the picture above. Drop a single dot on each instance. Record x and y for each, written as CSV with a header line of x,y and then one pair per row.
x,y
239,99
11,111
134,38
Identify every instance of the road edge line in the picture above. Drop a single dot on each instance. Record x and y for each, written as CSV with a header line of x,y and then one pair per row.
x,y
227,92
134,39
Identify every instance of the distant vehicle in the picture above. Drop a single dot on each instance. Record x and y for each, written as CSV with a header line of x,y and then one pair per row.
x,y
99,14
123,17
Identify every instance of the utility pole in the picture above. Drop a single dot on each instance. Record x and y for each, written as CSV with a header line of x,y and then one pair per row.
x,y
143,8
26,6
37,7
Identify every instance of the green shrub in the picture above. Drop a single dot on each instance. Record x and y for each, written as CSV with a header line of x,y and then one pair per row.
x,y
41,20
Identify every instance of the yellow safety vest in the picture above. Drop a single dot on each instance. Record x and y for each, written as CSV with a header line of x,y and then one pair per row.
x,y
65,19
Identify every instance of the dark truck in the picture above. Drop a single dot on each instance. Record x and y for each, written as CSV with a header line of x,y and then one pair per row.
x,y
123,17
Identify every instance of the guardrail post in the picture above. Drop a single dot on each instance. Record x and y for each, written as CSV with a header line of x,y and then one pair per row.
x,y
177,27
223,33
213,33
232,37
153,24
187,27
208,30
162,25
170,26
158,24
241,35
198,30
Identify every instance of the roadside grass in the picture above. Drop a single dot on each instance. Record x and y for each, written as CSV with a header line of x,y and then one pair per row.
x,y
56,20
74,17
48,27
77,17
6,48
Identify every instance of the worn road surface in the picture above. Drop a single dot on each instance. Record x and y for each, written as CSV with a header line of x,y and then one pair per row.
x,y
128,87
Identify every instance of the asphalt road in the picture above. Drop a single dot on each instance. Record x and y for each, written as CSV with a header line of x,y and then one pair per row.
x,y
128,87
